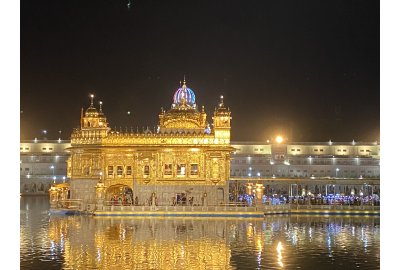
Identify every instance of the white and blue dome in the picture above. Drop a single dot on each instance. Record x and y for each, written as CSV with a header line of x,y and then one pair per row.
x,y
184,94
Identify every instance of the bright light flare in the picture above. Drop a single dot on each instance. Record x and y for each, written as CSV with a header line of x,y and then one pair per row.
x,y
279,139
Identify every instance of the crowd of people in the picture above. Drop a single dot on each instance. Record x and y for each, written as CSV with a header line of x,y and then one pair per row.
x,y
124,199
249,200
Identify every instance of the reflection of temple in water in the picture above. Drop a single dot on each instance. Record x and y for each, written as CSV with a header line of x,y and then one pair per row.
x,y
131,243
141,243
184,161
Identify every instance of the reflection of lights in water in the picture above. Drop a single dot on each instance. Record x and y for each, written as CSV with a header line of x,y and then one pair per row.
x,y
259,244
279,249
250,230
62,241
353,231
52,249
364,237
264,226
310,233
98,257
259,259
329,241
294,237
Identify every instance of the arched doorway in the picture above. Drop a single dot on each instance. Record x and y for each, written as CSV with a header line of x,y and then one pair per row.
x,y
119,194
26,188
33,188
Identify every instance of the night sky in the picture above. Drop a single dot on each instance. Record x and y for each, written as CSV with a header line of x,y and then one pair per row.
x,y
306,69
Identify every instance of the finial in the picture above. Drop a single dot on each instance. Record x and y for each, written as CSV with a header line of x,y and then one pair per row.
x,y
184,80
222,101
180,83
91,100
101,103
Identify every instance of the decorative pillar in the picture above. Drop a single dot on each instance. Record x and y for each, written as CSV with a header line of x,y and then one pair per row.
x,y
100,192
53,191
259,193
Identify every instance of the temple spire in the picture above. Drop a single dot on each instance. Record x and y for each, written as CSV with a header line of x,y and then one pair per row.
x,y
101,103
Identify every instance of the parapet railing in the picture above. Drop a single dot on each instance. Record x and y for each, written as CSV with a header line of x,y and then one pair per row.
x,y
229,207
336,207
112,206
67,204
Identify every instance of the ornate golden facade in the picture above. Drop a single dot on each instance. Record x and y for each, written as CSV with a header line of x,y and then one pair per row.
x,y
184,157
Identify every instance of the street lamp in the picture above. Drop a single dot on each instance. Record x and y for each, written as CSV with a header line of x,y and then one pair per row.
x,y
279,139
63,179
337,170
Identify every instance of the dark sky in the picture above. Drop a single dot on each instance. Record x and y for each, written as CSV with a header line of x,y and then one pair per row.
x,y
308,69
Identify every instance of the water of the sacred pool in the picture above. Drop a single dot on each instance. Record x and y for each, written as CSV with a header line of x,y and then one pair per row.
x,y
275,242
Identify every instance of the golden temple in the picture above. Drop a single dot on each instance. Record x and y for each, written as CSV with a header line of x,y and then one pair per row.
x,y
184,162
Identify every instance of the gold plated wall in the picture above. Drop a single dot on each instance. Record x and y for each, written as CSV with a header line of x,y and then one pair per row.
x,y
183,153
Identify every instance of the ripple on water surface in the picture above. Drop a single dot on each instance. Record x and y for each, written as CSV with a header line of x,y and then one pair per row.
x,y
282,242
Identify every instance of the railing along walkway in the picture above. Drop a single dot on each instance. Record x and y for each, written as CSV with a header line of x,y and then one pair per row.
x,y
111,206
335,207
69,204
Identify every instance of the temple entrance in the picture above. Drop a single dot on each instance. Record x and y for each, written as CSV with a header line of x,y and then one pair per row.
x,y
120,195
180,199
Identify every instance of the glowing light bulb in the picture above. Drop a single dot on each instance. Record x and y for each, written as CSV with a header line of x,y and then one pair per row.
x,y
279,139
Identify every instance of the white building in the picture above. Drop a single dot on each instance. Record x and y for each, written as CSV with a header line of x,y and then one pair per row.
x,y
42,162
315,166
304,160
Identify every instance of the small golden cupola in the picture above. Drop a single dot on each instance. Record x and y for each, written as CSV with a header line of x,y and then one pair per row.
x,y
222,121
94,125
183,115
93,118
